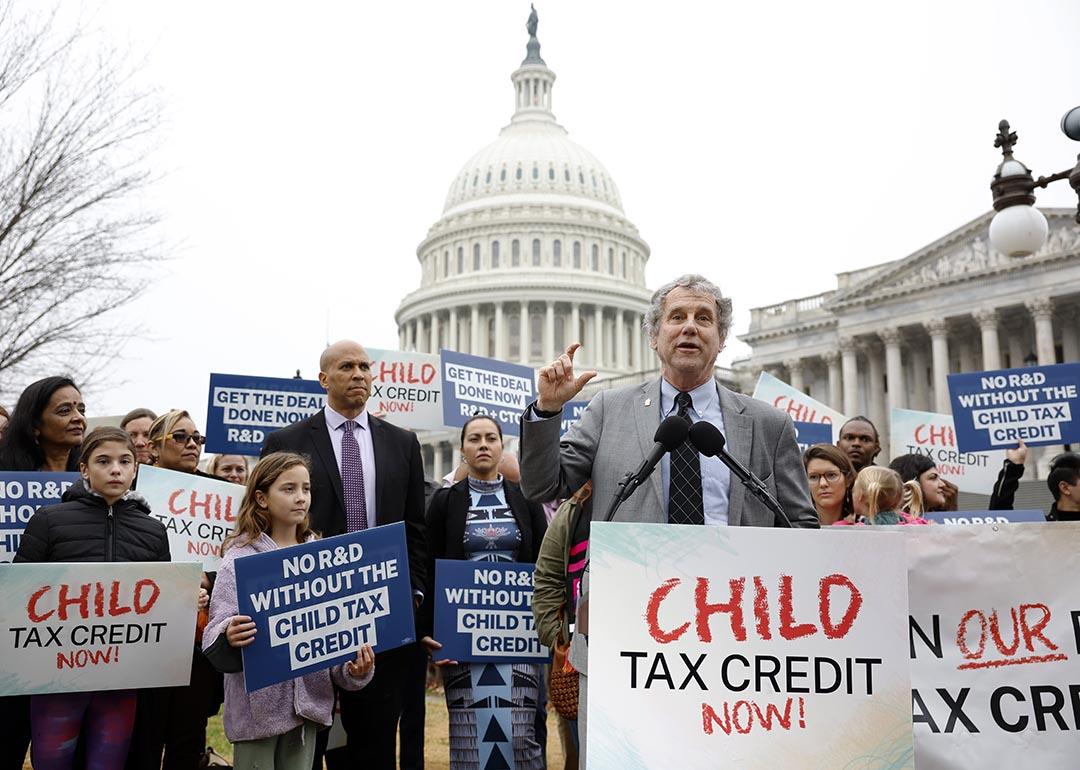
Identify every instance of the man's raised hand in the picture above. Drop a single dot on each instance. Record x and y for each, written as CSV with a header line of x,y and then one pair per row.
x,y
557,383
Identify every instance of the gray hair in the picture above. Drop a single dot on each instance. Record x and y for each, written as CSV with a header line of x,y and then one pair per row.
x,y
697,284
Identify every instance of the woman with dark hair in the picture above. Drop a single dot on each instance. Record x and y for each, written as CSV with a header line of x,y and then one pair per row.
x,y
43,434
485,518
46,429
831,475
920,468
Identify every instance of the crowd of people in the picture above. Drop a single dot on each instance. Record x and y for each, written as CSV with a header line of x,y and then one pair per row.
x,y
343,470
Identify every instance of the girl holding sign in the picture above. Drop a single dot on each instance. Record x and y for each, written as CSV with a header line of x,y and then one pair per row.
x,y
272,728
485,518
100,520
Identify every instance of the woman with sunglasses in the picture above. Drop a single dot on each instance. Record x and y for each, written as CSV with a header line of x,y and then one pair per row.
x,y
173,719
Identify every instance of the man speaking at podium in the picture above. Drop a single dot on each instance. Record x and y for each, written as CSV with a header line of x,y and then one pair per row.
x,y
687,322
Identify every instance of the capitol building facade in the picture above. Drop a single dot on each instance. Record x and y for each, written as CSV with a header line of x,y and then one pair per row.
x,y
533,252
889,335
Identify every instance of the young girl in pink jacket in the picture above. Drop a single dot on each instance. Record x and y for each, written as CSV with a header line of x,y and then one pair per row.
x,y
272,728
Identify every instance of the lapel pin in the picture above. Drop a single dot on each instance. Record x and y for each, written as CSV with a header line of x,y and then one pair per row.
x,y
648,402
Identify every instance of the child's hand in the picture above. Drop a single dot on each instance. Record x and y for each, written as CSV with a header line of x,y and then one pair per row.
x,y
204,599
240,631
365,662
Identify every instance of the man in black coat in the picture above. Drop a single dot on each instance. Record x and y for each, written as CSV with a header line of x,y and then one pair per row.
x,y
365,472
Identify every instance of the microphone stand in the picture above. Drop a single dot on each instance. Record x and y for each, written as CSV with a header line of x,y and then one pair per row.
x,y
756,487
626,488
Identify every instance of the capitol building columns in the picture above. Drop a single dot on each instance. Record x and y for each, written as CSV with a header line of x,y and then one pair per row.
x,y
892,334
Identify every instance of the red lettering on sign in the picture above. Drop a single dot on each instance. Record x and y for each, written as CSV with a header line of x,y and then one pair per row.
x,y
652,610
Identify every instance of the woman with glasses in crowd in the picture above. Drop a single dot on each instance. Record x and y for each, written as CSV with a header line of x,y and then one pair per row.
x,y
831,475
482,518
173,719
44,434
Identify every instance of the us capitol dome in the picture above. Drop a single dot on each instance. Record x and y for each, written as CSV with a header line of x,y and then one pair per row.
x,y
533,250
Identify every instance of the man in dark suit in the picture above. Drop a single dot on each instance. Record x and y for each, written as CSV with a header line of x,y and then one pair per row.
x,y
364,472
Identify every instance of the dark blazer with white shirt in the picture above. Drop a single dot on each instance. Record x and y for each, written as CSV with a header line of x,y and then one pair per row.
x,y
399,481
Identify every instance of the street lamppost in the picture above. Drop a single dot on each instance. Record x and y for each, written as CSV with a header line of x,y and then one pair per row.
x,y
1018,229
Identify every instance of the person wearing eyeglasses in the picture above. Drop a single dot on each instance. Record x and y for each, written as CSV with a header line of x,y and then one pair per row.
x,y
831,475
173,719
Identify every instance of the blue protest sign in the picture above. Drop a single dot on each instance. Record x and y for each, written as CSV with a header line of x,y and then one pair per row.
x,y
483,612
21,494
475,385
809,433
985,517
571,413
316,604
242,410
997,409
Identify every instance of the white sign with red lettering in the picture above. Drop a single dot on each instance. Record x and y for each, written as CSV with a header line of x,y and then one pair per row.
x,y
933,435
406,389
97,626
796,404
747,647
198,512
995,629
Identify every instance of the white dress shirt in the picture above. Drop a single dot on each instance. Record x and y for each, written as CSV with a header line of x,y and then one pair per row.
x,y
715,476
335,425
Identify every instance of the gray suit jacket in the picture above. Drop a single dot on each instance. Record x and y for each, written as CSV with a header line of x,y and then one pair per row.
x,y
615,434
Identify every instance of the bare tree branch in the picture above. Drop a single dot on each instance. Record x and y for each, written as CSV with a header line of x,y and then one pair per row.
x,y
75,138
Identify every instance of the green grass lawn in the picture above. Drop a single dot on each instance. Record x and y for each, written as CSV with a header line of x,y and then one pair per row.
x,y
436,736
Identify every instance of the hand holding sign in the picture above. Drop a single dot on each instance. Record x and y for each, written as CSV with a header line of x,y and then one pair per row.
x,y
365,661
241,631
1017,456
557,383
432,647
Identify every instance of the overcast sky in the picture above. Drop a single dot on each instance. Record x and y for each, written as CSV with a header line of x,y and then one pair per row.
x,y
308,147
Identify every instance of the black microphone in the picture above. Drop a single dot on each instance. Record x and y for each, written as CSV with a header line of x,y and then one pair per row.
x,y
709,441
669,436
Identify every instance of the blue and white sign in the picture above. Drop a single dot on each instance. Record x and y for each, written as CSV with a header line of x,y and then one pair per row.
x,y
21,494
475,385
993,410
809,433
571,413
985,517
483,612
316,604
243,410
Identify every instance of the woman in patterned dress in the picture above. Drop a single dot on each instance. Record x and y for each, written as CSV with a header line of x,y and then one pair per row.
x,y
483,517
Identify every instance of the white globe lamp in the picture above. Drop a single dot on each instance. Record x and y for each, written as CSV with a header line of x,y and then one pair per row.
x,y
1018,231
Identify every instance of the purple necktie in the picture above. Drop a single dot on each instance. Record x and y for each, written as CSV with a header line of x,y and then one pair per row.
x,y
352,477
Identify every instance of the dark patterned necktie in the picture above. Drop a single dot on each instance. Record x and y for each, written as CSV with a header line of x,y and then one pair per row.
x,y
352,479
686,504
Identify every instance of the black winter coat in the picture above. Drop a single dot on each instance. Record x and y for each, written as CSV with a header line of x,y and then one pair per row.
x,y
83,528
